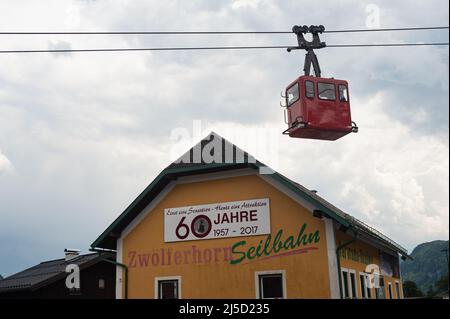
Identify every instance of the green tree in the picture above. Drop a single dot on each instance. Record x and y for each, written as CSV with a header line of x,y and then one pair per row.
x,y
430,292
411,290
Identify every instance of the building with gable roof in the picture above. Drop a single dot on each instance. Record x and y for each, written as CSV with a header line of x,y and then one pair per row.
x,y
217,223
47,280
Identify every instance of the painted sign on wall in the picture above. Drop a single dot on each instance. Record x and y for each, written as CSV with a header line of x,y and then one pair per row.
x,y
220,220
389,265
357,255
279,246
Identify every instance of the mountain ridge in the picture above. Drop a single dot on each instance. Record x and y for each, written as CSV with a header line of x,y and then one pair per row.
x,y
429,264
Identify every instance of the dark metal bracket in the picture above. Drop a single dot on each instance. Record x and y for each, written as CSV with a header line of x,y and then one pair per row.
x,y
355,127
309,46
296,124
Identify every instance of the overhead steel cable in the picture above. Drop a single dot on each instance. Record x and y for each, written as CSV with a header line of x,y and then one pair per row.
x,y
211,32
220,48
146,49
387,29
386,45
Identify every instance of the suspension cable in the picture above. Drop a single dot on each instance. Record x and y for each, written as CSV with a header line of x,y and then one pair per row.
x,y
220,48
213,32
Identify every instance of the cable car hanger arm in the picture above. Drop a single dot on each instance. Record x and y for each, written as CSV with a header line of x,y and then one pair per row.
x,y
309,46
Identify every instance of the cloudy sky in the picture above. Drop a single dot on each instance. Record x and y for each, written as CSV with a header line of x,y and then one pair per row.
x,y
82,134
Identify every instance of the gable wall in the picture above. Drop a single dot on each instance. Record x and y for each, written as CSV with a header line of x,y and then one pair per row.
x,y
210,274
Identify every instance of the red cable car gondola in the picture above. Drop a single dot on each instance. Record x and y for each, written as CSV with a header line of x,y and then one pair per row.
x,y
316,107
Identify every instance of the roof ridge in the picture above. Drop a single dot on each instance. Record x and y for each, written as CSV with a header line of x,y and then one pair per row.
x,y
63,259
195,155
43,265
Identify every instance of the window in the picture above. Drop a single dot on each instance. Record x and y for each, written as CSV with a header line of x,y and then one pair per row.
x,y
380,293
346,292
362,282
167,288
270,285
349,283
369,288
366,290
397,289
390,291
327,91
343,93
101,283
292,94
309,89
353,284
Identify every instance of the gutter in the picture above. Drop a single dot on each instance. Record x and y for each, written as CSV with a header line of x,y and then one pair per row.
x,y
123,266
338,255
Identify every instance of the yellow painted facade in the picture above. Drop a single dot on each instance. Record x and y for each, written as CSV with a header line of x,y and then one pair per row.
x,y
306,274
356,256
204,268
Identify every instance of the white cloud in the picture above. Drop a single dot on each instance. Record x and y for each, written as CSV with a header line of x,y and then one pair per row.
x,y
5,164
60,45
239,4
88,132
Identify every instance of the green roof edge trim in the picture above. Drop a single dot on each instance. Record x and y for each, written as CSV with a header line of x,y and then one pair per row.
x,y
166,172
311,200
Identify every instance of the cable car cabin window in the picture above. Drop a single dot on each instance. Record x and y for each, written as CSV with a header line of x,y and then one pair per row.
x,y
326,91
343,93
309,89
292,94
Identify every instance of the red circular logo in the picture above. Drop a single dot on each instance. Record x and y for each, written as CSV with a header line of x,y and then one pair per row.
x,y
201,226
